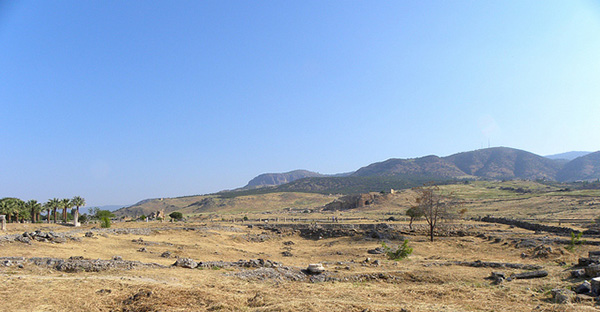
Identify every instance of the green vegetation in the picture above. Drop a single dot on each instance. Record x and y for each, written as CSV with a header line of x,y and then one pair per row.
x,y
400,253
176,215
575,241
414,213
99,214
105,222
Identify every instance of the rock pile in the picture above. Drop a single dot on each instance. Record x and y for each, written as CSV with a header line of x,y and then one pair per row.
x,y
77,264
41,236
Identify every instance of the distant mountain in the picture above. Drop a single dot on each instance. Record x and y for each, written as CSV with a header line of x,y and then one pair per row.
x,y
274,179
431,166
490,163
505,163
583,168
568,155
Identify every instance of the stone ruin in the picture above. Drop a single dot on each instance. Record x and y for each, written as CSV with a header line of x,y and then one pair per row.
x,y
157,214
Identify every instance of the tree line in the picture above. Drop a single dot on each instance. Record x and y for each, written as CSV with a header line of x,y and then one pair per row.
x,y
17,210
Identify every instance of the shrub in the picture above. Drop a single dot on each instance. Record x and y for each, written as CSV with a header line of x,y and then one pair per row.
x,y
402,252
575,241
105,222
176,215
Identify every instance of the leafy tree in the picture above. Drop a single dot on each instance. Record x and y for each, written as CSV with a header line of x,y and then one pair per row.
x,y
65,205
176,215
99,214
77,202
434,205
83,218
414,213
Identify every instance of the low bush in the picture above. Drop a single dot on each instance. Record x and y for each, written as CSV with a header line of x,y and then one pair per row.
x,y
402,252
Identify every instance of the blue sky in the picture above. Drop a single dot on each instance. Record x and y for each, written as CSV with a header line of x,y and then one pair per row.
x,y
118,101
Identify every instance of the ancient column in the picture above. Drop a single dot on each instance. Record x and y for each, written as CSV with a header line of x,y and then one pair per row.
x,y
3,219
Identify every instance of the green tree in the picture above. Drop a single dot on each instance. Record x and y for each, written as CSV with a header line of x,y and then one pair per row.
x,y
65,205
99,214
176,215
77,202
54,203
6,207
414,213
34,209
18,208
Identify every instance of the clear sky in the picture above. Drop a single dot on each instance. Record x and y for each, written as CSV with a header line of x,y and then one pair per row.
x,y
119,101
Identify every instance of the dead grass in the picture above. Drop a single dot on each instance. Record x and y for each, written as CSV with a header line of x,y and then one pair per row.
x,y
418,287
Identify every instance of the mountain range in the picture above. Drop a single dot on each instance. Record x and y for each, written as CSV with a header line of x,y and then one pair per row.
x,y
490,163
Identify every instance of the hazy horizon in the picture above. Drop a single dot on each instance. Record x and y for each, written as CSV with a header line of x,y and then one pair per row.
x,y
123,101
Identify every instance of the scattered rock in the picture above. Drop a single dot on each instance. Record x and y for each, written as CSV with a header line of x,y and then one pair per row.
x,y
117,258
286,254
578,273
288,243
376,251
563,296
584,288
166,254
527,275
186,263
587,261
143,249
592,270
315,268
585,298
595,282
89,234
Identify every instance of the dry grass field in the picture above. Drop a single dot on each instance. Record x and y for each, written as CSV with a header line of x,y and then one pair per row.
x,y
413,284
430,279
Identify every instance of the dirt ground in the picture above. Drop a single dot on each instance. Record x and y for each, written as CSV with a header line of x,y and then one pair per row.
x,y
428,280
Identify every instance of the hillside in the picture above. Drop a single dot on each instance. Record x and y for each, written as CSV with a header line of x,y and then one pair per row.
x,y
216,203
431,166
583,168
505,163
271,179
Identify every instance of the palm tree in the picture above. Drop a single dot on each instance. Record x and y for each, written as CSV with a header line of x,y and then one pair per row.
x,y
48,207
66,204
77,202
33,207
55,204
17,207
5,208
